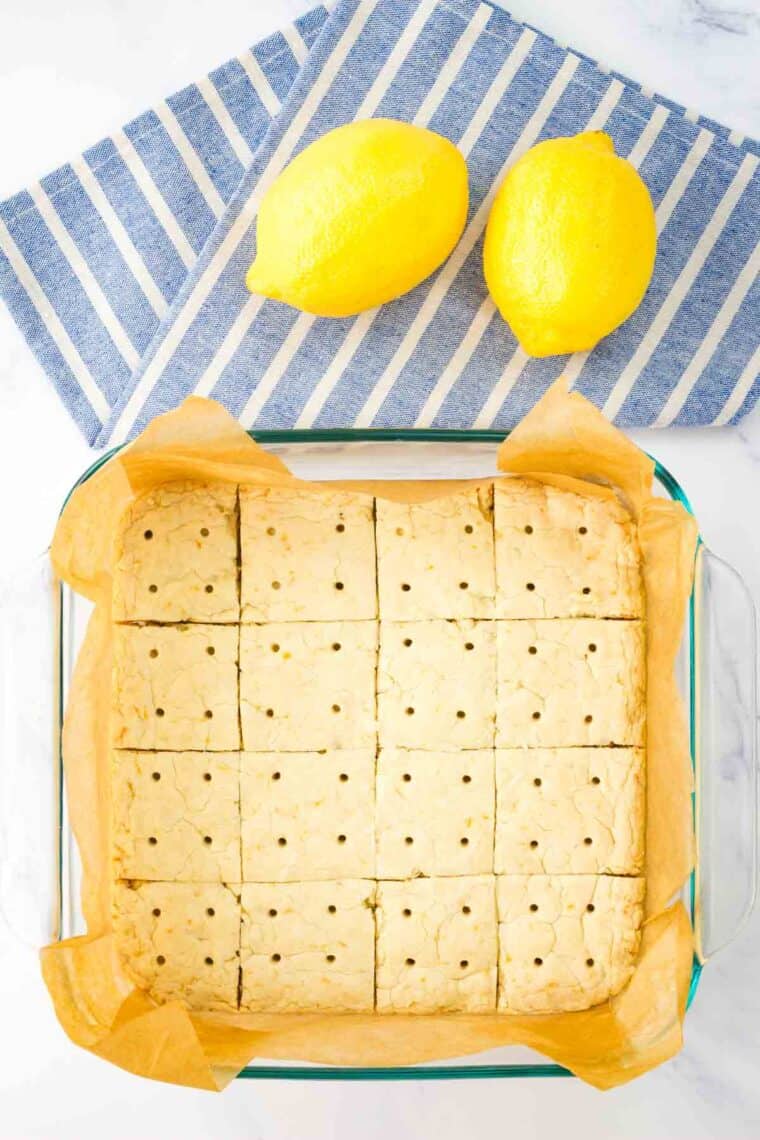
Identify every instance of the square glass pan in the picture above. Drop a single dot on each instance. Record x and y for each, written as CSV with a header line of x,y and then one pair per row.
x,y
42,623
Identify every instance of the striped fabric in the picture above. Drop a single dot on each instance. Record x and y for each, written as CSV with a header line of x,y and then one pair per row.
x,y
100,265
93,255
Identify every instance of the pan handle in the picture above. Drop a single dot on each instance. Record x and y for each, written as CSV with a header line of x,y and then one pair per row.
x,y
724,676
29,770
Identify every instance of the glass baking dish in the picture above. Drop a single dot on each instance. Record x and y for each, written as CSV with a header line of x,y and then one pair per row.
x,y
42,623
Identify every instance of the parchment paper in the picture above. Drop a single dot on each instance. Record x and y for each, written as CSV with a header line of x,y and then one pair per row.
x,y
564,439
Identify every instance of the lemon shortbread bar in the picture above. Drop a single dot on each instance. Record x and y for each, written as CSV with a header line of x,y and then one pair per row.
x,y
570,683
308,946
307,815
176,556
176,815
306,557
435,684
436,945
435,813
308,685
175,687
181,941
570,811
435,559
566,942
560,554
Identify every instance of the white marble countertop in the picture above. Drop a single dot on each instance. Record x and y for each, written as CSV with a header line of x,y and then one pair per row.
x,y
70,73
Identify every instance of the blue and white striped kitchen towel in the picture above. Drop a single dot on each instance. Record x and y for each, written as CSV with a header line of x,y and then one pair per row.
x,y
99,262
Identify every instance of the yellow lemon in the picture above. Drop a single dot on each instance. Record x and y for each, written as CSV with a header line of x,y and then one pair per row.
x,y
361,216
570,244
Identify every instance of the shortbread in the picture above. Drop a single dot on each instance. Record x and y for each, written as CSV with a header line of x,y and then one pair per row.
x,y
435,813
175,687
436,945
370,755
306,557
308,685
570,683
436,684
308,946
307,815
570,811
560,554
176,556
566,942
176,816
436,559
180,941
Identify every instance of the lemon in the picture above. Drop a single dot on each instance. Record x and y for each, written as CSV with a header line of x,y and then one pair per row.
x,y
361,216
570,244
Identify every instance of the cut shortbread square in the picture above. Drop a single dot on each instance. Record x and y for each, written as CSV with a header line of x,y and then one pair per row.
x,y
561,555
436,945
175,687
566,942
435,813
176,816
176,555
306,557
308,816
569,683
570,810
308,685
435,559
308,946
436,684
180,941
